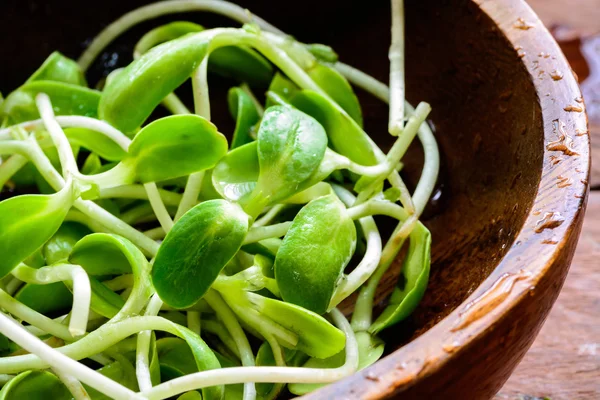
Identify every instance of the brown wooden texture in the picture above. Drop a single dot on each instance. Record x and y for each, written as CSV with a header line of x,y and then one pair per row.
x,y
564,361
576,26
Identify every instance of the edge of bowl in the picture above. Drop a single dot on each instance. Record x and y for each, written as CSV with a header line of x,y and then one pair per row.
x,y
534,253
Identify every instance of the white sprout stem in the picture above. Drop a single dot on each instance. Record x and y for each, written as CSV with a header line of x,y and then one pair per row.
x,y
10,167
74,121
93,225
256,234
193,321
54,358
372,207
24,313
157,233
202,108
101,359
175,105
138,192
95,342
364,81
269,215
368,264
254,318
73,385
432,156
400,147
396,56
259,107
142,353
343,162
190,194
234,375
155,10
119,283
65,153
230,321
82,292
160,210
34,153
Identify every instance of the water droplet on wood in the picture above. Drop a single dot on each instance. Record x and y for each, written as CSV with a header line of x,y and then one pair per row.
x,y
556,75
564,142
572,108
489,300
563,181
550,220
522,24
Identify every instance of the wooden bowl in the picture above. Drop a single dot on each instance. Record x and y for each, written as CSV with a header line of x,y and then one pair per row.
x,y
513,136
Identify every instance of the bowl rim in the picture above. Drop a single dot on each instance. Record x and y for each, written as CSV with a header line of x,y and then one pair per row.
x,y
472,318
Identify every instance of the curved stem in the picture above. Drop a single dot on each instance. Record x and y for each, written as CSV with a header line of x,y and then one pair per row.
x,y
155,10
256,234
142,359
82,292
158,206
155,233
24,313
202,108
265,374
10,167
120,282
269,215
34,153
48,356
370,260
190,194
233,326
65,153
93,343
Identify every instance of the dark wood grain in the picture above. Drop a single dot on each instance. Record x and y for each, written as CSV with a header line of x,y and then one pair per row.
x,y
564,361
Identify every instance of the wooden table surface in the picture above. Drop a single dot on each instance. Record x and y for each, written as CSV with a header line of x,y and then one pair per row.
x,y
564,361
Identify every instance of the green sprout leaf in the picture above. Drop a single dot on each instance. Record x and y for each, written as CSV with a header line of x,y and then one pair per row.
x,y
196,250
314,253
35,385
35,217
244,112
413,281
291,146
67,99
